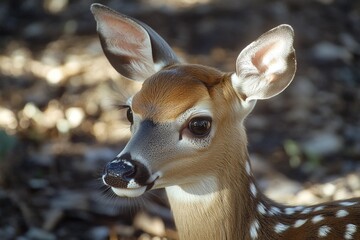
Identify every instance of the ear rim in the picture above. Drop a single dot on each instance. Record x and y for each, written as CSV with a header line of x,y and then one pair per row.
x,y
161,53
283,31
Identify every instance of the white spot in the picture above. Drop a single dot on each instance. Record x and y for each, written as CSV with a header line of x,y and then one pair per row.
x,y
280,227
323,231
261,208
342,213
306,211
346,204
299,223
247,168
319,208
254,229
289,211
350,230
317,218
274,211
253,189
133,184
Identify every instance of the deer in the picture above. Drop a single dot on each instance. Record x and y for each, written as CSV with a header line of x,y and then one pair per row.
x,y
188,137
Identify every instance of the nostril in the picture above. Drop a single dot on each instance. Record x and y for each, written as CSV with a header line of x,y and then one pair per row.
x,y
130,174
141,173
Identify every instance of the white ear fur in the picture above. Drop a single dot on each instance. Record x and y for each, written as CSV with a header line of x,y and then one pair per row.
x,y
266,66
133,48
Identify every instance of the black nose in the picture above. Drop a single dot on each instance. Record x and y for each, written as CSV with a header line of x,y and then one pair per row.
x,y
122,169
119,172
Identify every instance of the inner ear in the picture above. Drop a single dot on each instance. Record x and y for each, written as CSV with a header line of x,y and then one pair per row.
x,y
266,66
268,57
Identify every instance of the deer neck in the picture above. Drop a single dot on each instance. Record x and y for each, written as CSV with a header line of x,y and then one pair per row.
x,y
216,207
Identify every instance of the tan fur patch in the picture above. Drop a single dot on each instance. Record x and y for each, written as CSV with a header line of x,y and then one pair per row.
x,y
173,90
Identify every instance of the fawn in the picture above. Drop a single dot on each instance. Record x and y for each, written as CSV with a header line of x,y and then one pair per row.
x,y
188,137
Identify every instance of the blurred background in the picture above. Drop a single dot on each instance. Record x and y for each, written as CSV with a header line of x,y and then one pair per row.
x,y
59,126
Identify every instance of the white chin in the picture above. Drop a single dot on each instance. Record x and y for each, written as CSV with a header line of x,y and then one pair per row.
x,y
129,192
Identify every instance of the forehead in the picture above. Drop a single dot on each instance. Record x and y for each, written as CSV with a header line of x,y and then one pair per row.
x,y
170,92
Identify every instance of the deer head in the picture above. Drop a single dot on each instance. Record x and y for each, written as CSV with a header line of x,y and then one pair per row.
x,y
184,114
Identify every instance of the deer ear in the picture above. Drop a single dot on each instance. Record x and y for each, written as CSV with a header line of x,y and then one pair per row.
x,y
134,49
267,66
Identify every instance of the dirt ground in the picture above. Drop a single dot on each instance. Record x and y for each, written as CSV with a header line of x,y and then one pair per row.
x,y
59,126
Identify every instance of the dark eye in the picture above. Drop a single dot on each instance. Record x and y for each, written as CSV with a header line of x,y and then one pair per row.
x,y
200,126
129,115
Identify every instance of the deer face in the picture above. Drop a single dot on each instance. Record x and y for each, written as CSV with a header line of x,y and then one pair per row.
x,y
170,124
184,114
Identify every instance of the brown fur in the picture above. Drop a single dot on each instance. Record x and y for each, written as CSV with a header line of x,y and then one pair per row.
x,y
176,89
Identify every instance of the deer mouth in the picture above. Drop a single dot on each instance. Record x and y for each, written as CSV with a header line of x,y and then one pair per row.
x,y
133,189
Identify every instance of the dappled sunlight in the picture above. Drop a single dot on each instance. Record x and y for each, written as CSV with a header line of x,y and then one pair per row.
x,y
8,120
81,69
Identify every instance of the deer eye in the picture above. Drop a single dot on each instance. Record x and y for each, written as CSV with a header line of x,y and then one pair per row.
x,y
200,126
129,115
